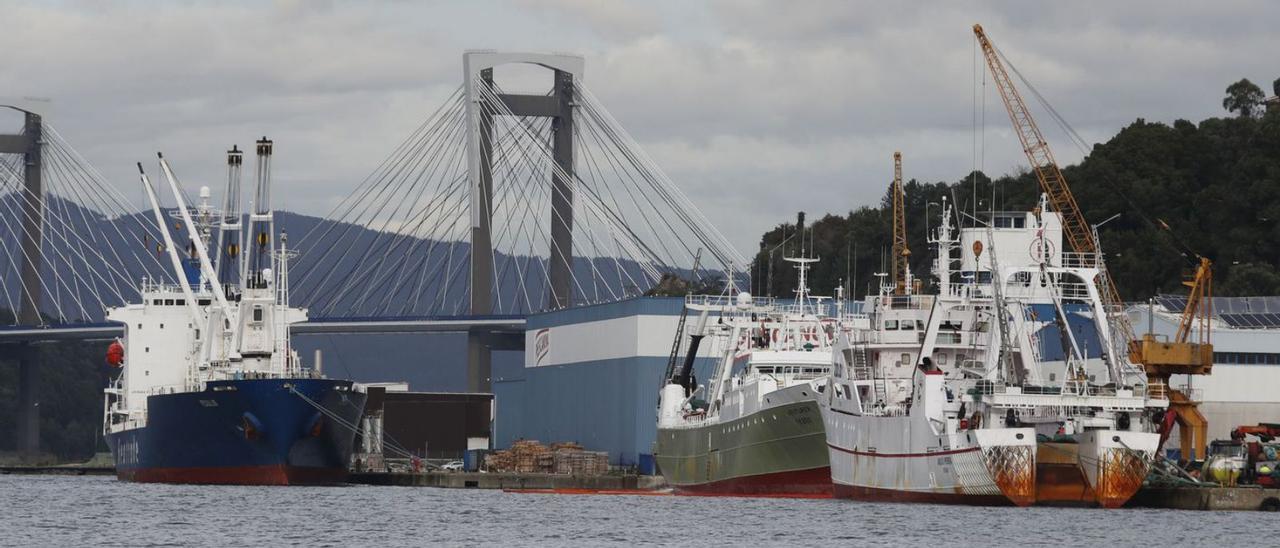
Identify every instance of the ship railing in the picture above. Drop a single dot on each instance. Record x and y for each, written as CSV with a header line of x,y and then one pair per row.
x,y
863,336
725,301
1031,289
158,286
1073,259
1193,394
823,309
909,302
167,389
894,410
1157,390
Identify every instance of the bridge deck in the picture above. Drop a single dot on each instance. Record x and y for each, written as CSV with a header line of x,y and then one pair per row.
x,y
506,325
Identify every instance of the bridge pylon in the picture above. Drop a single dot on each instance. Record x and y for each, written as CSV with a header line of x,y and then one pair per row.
x,y
558,105
28,144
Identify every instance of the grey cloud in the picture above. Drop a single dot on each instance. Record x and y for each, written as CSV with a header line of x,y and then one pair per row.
x,y
756,108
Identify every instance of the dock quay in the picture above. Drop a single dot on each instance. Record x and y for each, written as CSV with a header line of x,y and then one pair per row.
x,y
511,481
1208,498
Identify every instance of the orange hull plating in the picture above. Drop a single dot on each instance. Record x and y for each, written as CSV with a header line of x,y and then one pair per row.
x,y
1060,480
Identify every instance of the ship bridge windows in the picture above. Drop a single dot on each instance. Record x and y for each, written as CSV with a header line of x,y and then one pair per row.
x,y
891,325
1009,221
168,302
906,325
257,313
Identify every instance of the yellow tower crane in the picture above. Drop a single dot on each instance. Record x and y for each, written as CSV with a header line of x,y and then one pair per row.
x,y
1160,359
901,255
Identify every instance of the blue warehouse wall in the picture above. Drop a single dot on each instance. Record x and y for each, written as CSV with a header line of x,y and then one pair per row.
x,y
605,405
609,405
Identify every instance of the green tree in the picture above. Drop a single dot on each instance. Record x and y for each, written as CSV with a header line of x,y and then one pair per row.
x,y
1184,189
1243,97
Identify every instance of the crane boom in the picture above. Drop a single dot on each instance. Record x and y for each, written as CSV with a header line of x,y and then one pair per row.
x,y
1159,359
1041,158
1079,234
1199,304
901,255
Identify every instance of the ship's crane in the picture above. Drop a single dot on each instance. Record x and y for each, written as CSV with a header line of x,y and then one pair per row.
x,y
1181,356
1199,304
1159,359
1074,227
901,268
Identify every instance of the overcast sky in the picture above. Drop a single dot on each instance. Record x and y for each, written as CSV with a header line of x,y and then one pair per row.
x,y
756,109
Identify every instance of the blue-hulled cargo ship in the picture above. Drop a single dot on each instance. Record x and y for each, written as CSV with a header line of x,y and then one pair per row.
x,y
208,389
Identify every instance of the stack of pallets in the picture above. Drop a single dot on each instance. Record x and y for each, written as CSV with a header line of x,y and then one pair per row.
x,y
532,457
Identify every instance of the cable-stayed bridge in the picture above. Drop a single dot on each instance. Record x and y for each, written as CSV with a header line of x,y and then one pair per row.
x,y
496,206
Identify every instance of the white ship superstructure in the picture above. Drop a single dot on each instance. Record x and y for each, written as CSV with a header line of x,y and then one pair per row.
x,y
1006,385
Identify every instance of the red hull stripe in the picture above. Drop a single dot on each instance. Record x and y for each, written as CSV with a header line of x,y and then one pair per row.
x,y
890,495
236,475
811,483
902,455
576,491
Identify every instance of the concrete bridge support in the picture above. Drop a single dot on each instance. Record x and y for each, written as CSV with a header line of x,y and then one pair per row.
x,y
28,144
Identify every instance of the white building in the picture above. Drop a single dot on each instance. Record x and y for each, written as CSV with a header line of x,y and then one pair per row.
x,y
1244,387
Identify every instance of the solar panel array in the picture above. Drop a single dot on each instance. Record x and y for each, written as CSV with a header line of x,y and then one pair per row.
x,y
1172,303
1255,320
1238,312
1246,305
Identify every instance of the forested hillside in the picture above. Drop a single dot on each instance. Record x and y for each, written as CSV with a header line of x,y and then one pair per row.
x,y
72,375
1215,185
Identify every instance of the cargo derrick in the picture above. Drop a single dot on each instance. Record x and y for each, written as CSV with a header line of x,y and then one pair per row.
x,y
1159,359
901,267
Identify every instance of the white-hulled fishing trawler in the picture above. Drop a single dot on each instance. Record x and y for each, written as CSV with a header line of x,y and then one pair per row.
x,y
755,428
1007,386
209,389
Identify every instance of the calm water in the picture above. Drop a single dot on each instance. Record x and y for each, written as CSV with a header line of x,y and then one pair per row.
x,y
79,511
